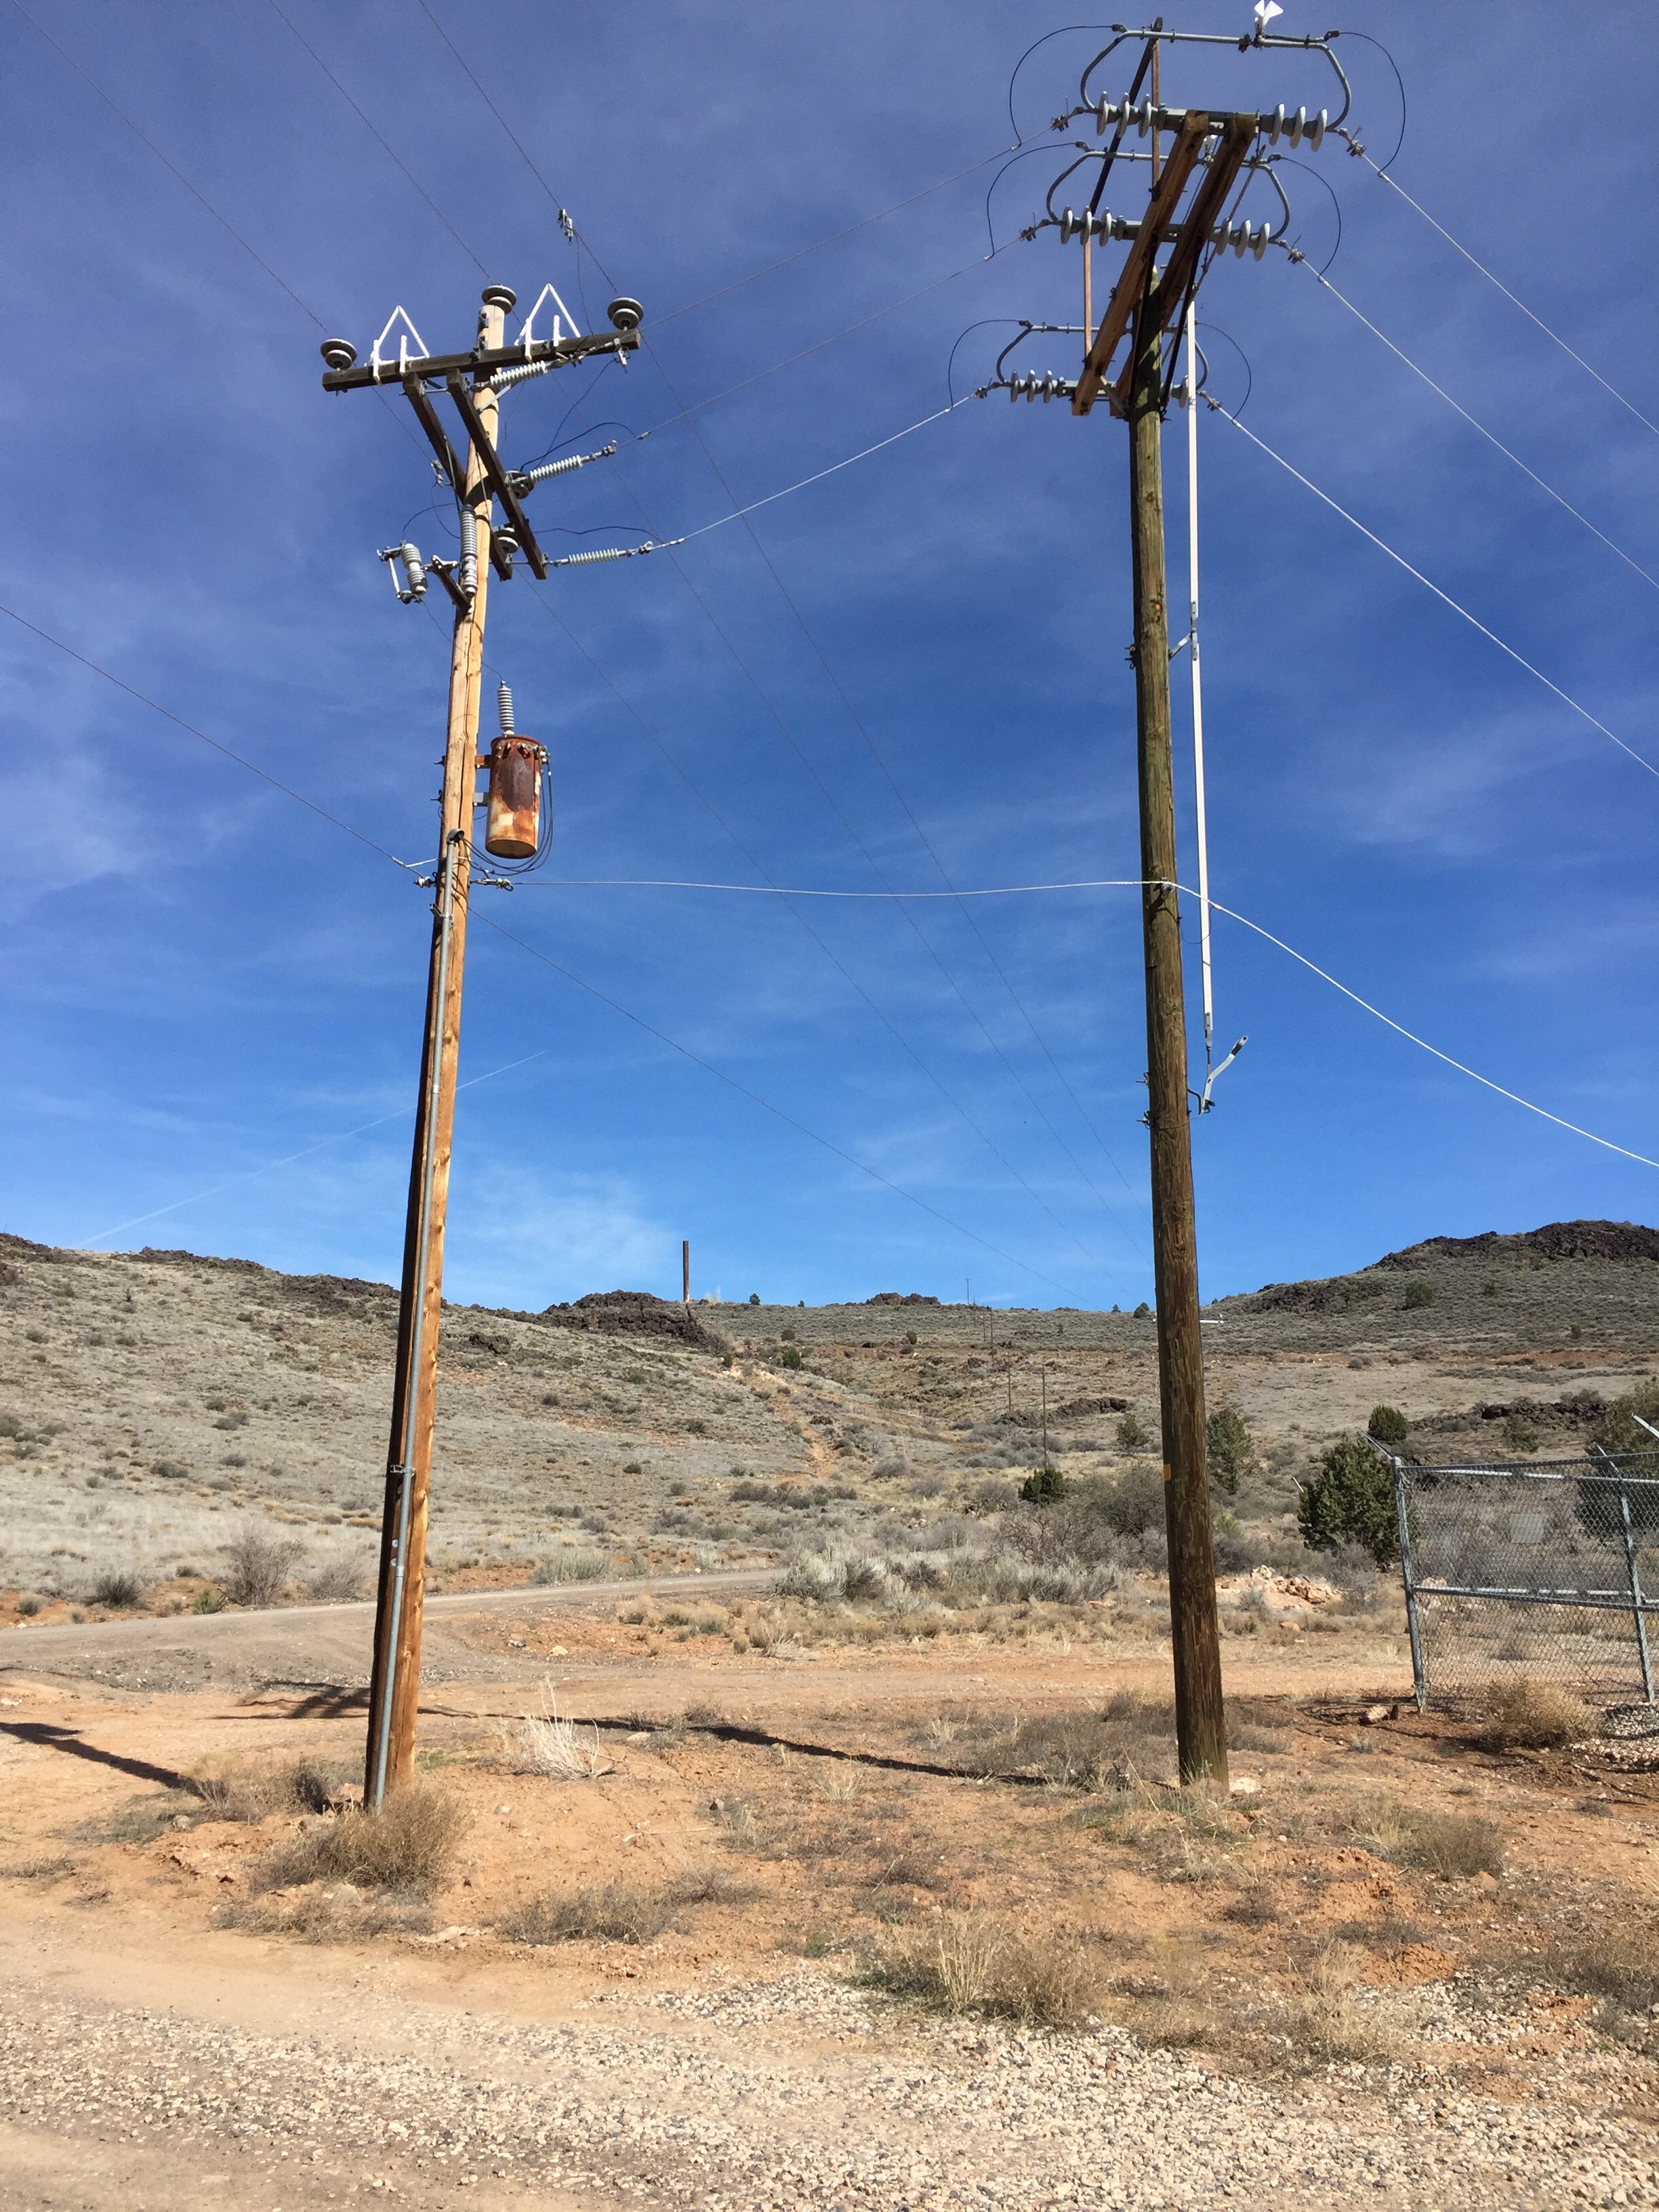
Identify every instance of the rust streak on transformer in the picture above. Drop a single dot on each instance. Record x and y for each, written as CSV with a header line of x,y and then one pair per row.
x,y
513,828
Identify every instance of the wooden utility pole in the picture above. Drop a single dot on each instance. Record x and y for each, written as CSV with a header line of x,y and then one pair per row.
x,y
1194,1627
394,1690
685,1271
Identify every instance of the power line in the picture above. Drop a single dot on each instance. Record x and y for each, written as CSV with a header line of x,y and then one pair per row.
x,y
834,239
898,1037
1491,439
168,715
1519,660
1119,883
224,222
334,820
387,149
1553,335
756,1098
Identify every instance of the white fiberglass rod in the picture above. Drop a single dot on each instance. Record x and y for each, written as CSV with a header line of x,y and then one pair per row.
x,y
1198,686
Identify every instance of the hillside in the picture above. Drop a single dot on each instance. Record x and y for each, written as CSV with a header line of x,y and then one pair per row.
x,y
155,1404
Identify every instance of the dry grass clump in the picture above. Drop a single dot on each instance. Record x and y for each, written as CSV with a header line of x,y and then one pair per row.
x,y
545,1744
970,1962
239,1790
408,1846
1526,1715
1325,2023
259,1565
1452,1846
616,1912
329,1916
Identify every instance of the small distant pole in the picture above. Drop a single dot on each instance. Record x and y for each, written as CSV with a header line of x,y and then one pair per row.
x,y
685,1271
968,1284
1045,1417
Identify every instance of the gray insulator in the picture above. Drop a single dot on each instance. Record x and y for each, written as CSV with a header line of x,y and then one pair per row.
x,y
504,708
606,553
502,378
526,480
469,551
411,556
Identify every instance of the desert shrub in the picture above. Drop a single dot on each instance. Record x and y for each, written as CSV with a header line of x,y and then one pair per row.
x,y
1142,1311
260,1562
1134,1502
791,1356
1133,1434
969,1963
1350,1501
1610,1966
29,1604
1618,1430
1519,1433
545,1744
117,1587
1531,1715
1229,1449
239,1791
991,1495
1450,1845
1047,1485
1388,1425
336,1581
408,1846
1418,1294
328,1917
616,1913
572,1566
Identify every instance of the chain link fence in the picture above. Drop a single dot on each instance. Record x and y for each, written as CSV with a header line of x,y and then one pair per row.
x,y
1547,1569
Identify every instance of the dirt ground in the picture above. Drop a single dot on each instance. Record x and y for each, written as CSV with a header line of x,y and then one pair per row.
x,y
705,1970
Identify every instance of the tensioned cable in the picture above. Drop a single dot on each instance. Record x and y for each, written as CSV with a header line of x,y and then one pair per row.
x,y
835,468
155,706
1508,294
732,1082
304,306
1491,439
386,148
829,953
270,1167
288,791
898,1037
1124,884
869,859
686,413
1399,560
834,238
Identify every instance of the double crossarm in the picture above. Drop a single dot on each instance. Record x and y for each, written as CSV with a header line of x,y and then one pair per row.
x,y
1234,136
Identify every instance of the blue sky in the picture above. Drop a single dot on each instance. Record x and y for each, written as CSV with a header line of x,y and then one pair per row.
x,y
911,671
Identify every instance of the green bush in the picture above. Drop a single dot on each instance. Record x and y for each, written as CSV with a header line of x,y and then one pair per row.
x,y
1046,1486
791,1356
1133,1434
1388,1425
1142,1311
1519,1433
1618,1433
1419,1294
1229,1448
1350,1501
1134,1503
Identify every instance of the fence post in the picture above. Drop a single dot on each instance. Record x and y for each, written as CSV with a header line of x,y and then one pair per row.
x,y
1419,1681
1635,1573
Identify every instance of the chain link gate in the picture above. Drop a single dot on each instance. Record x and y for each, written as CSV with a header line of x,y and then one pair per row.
x,y
1547,1569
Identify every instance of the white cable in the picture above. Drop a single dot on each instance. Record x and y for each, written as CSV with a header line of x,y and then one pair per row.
x,y
737,514
1513,301
1198,690
1519,660
1119,884
1490,440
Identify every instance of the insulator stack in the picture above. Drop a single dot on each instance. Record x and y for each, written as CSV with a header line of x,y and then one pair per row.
x,y
1044,388
1143,117
513,827
603,553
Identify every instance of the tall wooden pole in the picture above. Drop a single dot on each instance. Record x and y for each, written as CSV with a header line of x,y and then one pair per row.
x,y
1194,1632
394,1690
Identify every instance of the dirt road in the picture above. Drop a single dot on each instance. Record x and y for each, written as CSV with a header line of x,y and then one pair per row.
x,y
322,1643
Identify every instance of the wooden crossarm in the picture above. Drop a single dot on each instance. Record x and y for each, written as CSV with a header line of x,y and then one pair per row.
x,y
1131,278
1237,135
